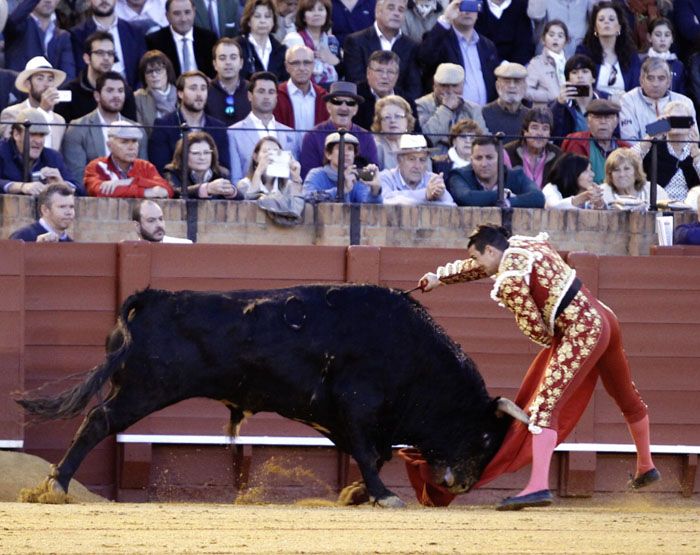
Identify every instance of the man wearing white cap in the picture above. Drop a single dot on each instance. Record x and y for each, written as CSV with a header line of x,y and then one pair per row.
x,y
439,110
507,112
40,81
411,183
121,173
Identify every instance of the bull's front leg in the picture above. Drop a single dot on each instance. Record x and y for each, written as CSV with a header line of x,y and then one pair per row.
x,y
370,462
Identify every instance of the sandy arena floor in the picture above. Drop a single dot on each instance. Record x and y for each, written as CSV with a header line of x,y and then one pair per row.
x,y
640,525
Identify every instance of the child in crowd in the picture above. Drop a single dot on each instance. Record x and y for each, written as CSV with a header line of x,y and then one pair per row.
x,y
545,72
661,39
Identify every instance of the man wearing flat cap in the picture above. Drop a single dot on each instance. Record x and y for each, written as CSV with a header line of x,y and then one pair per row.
x,y
121,173
507,112
342,103
40,82
439,110
598,142
46,164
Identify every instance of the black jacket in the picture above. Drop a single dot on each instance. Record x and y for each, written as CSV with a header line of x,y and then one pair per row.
x,y
203,42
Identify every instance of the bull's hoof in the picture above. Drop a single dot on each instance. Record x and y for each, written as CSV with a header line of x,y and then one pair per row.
x,y
49,492
354,494
391,502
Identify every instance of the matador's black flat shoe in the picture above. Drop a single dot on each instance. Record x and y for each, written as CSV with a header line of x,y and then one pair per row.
x,y
542,498
642,481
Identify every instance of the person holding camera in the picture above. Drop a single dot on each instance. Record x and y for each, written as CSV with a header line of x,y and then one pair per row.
x,y
271,169
360,185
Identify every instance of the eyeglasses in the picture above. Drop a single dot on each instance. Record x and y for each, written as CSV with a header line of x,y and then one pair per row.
x,y
201,152
155,70
104,53
230,108
343,101
613,76
384,71
393,117
300,63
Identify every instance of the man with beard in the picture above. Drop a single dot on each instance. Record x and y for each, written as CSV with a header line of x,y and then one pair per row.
x,y
507,113
32,31
45,164
192,91
244,135
99,56
227,98
40,81
121,173
149,223
57,208
129,44
86,137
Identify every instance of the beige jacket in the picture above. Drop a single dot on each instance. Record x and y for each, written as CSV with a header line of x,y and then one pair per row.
x,y
542,83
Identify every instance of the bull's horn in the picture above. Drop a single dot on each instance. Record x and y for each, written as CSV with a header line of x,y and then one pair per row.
x,y
506,406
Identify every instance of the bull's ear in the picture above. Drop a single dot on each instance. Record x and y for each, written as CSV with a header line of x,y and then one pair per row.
x,y
506,406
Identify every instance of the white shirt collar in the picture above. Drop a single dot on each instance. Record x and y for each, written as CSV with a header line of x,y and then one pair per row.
x,y
384,37
294,90
497,10
260,125
112,26
177,36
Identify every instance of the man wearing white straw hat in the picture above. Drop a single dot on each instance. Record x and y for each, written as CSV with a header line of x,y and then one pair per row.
x,y
40,81
411,183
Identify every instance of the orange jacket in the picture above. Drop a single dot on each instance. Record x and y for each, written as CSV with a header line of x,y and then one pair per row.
x,y
144,176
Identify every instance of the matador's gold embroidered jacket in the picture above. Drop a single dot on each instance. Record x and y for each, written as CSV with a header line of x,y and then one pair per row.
x,y
531,282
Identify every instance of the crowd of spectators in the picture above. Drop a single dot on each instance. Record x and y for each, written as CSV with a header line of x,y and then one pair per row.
x,y
394,101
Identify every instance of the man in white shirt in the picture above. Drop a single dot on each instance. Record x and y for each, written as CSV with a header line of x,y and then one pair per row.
x,y
150,225
144,14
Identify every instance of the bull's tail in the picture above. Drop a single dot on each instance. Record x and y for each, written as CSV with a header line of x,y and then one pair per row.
x,y
71,402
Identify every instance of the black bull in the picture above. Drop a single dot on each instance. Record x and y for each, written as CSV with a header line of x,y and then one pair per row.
x,y
365,365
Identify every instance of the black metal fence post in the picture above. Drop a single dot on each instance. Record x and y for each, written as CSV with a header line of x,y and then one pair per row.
x,y
501,175
340,190
653,173
26,163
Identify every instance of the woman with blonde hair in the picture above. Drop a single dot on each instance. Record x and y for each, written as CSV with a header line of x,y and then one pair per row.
x,y
626,186
392,118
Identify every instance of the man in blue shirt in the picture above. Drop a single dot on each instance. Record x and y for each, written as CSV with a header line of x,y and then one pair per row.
x,y
57,207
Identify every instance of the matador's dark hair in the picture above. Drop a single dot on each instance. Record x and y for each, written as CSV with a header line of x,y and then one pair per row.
x,y
489,234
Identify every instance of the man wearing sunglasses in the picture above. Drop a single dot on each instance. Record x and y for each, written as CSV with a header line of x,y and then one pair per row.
x,y
342,104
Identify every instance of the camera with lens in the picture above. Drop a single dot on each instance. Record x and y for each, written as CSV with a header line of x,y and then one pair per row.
x,y
36,176
366,174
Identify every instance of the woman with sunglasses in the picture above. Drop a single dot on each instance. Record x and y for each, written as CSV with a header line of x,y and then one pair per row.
x,y
206,179
608,42
158,96
313,23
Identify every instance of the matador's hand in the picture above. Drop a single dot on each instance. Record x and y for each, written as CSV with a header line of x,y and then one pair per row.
x,y
429,282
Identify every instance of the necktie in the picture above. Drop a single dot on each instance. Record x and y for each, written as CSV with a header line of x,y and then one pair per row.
x,y
186,61
212,17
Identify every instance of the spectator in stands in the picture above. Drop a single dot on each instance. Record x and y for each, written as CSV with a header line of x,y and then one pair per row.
x,y
384,34
609,44
688,234
599,142
57,207
453,39
206,178
533,152
571,185
218,16
158,96
569,110
350,16
146,16
440,110
341,103
32,31
411,183
477,183
244,135
285,15
574,14
392,120
642,105
460,153
313,24
678,156
121,173
9,95
258,182
150,225
300,102
545,72
509,27
227,99
128,46
46,165
192,88
261,50
507,113
661,40
189,47
626,186
382,75
86,137
420,17
99,57
40,81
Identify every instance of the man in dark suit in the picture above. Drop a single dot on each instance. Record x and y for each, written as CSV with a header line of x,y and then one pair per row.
x,y
382,75
385,34
454,35
221,17
189,47
129,45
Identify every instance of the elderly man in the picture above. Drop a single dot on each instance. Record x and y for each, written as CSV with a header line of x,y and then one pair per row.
x,y
477,184
40,81
597,143
507,112
382,75
121,173
410,183
46,164
453,39
300,102
150,225
341,103
440,110
644,104
227,98
57,208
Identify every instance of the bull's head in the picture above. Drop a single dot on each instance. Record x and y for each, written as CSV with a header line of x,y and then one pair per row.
x,y
460,468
